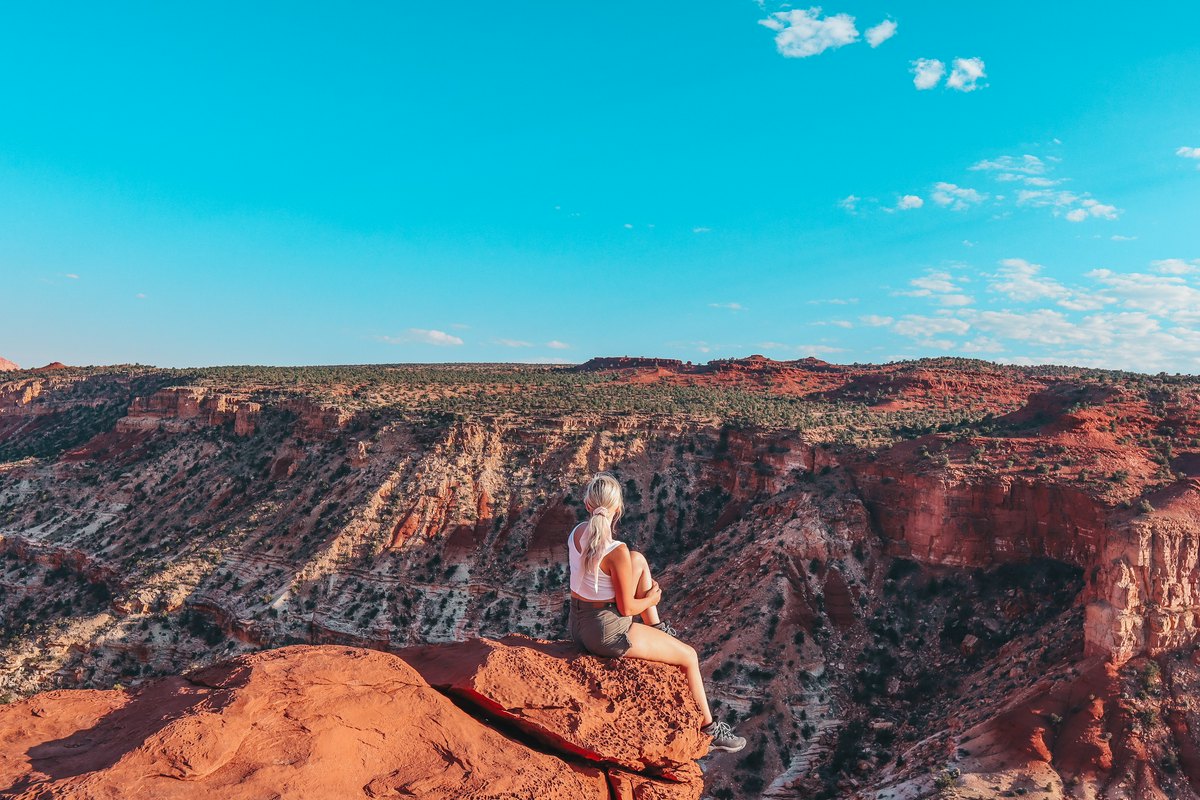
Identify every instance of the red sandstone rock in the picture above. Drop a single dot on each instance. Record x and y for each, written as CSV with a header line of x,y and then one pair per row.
x,y
299,722
646,722
7,366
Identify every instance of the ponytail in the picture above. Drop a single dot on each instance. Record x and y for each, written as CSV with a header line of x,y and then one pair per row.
x,y
603,499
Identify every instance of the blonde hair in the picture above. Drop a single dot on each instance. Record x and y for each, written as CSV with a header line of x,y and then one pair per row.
x,y
603,500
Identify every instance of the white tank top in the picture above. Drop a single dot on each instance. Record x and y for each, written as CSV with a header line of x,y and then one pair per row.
x,y
582,585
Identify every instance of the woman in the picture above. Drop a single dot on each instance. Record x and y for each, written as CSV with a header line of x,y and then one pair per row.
x,y
610,585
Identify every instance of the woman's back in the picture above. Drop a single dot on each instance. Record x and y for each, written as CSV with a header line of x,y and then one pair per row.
x,y
587,586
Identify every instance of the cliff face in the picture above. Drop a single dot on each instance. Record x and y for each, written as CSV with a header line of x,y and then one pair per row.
x,y
910,556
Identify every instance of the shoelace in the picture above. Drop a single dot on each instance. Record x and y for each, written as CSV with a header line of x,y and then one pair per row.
x,y
666,628
721,730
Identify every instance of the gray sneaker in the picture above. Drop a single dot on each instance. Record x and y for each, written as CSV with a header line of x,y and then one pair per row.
x,y
723,737
666,628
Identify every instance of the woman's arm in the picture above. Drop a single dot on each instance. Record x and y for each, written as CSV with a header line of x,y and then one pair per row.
x,y
620,570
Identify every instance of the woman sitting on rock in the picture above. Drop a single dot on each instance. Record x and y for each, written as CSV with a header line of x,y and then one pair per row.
x,y
610,585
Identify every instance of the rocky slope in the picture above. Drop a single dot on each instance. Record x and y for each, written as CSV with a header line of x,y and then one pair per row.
x,y
889,571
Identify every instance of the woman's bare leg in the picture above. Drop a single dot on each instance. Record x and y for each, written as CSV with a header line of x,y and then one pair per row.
x,y
654,645
643,581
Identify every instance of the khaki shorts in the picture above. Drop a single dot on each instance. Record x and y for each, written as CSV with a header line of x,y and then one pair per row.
x,y
600,631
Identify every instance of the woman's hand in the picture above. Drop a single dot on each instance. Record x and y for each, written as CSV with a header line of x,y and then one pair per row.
x,y
655,593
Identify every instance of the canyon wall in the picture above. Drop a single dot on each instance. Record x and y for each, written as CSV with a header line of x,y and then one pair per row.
x,y
830,587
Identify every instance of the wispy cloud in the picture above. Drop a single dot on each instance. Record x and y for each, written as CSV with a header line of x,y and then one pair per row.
x,y
701,230
875,320
1035,174
1144,321
880,33
555,344
956,198
1189,152
513,343
801,33
72,276
849,203
1019,280
1175,266
423,336
728,306
804,349
941,286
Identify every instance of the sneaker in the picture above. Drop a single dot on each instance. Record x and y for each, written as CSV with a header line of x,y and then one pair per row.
x,y
723,737
666,628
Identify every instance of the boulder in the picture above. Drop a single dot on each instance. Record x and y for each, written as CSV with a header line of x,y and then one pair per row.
x,y
628,713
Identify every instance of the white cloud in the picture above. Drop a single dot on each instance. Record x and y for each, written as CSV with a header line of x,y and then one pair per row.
x,y
1098,209
807,349
834,301
956,300
909,201
1020,280
1116,237
628,226
927,72
1077,215
801,33
140,295
1145,322
931,283
1026,165
729,306
875,320
422,336
1189,152
849,203
1167,296
72,276
881,32
921,327
513,343
982,344
1174,266
957,198
940,286
555,344
701,230
966,74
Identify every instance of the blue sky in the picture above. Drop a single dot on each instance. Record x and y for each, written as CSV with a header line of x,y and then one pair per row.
x,y
300,183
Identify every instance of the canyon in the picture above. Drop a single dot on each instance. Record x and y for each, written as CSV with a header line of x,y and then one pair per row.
x,y
931,578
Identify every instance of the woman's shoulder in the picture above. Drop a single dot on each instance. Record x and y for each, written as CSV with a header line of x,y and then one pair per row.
x,y
615,547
